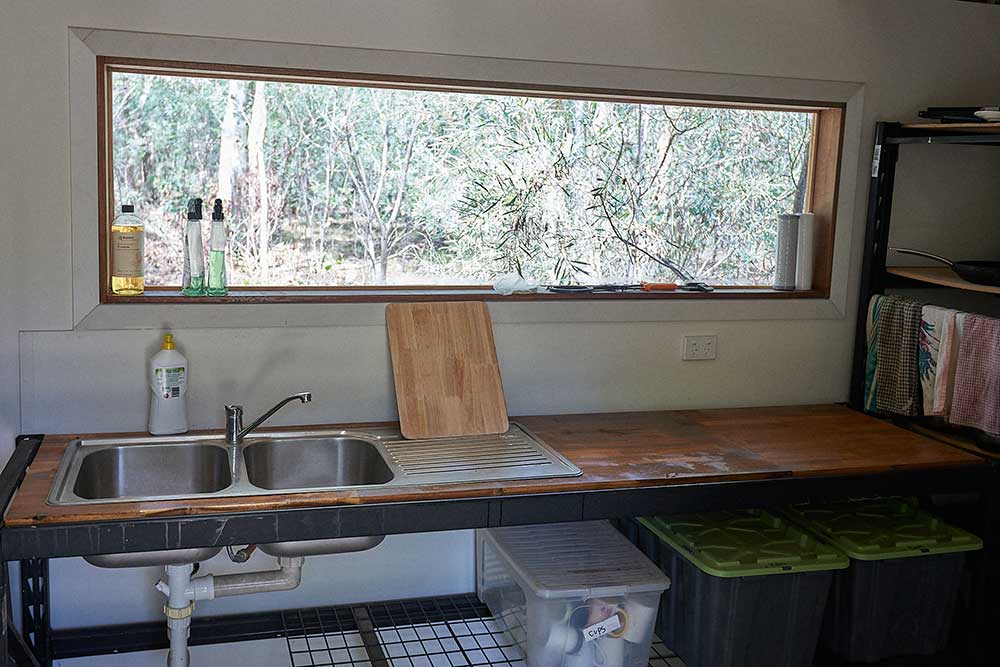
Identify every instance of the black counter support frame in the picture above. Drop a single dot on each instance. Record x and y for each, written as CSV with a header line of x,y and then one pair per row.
x,y
883,177
179,532
14,649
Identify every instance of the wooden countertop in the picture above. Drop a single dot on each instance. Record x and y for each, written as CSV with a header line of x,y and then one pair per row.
x,y
614,450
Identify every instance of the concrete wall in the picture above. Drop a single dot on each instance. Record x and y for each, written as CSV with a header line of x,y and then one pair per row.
x,y
54,378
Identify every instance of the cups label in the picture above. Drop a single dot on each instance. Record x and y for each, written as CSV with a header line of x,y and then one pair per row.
x,y
602,628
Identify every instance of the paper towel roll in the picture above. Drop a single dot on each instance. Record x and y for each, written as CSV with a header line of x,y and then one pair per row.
x,y
805,254
787,247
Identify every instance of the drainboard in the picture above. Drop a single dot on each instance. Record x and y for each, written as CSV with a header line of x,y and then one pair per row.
x,y
511,455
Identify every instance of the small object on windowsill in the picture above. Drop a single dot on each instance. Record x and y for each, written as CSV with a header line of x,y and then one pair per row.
x,y
614,288
193,281
785,251
128,238
512,283
805,252
689,286
217,285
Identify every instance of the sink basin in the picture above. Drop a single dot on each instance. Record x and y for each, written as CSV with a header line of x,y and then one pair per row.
x,y
149,558
313,463
337,545
152,470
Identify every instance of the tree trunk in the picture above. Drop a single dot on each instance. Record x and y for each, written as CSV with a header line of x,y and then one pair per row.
x,y
232,142
802,183
255,145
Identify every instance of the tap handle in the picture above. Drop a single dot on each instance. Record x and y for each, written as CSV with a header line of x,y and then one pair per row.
x,y
234,421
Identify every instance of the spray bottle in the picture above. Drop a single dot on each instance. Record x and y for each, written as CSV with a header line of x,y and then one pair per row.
x,y
217,253
193,283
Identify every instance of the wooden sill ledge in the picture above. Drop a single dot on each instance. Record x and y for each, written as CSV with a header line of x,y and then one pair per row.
x,y
307,295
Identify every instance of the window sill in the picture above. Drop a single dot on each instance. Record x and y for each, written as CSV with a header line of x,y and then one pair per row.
x,y
388,295
325,308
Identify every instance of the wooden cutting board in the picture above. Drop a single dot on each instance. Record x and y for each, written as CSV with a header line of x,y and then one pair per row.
x,y
444,364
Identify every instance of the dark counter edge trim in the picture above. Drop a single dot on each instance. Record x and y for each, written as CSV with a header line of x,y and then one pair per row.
x,y
25,449
177,532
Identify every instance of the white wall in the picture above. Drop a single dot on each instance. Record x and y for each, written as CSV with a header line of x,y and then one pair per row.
x,y
907,53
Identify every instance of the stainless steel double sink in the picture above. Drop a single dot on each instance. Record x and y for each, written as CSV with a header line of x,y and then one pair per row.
x,y
143,469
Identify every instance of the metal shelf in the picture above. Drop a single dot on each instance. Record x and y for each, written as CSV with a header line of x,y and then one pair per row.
x,y
945,133
940,277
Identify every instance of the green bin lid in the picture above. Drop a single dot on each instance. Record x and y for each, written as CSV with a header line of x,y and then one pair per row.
x,y
882,528
744,543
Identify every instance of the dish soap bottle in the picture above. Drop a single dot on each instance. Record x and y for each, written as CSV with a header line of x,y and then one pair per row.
x,y
193,283
217,253
127,253
168,371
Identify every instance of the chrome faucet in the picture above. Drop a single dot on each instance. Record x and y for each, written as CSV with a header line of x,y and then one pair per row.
x,y
234,417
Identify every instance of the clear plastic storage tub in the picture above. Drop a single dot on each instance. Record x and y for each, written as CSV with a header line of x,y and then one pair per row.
x,y
572,594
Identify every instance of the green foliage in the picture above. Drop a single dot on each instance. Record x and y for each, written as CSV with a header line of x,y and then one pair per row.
x,y
372,185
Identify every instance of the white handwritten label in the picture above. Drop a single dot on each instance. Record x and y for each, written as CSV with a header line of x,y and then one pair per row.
x,y
605,627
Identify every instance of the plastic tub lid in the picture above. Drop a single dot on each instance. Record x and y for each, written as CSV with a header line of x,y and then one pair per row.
x,y
581,560
882,528
744,543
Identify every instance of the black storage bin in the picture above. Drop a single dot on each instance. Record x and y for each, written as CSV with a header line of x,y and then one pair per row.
x,y
898,596
892,607
770,617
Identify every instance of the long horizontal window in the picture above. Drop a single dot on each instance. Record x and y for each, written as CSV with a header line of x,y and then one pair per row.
x,y
347,184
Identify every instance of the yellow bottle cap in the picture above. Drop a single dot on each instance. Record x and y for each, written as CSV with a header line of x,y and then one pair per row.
x,y
168,341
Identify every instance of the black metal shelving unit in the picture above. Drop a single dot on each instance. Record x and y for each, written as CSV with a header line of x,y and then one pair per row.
x,y
875,278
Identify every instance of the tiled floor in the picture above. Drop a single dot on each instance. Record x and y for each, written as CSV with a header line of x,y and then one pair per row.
x,y
261,653
275,653
404,647
454,631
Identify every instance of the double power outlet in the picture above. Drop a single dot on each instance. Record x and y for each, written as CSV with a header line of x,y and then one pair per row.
x,y
699,348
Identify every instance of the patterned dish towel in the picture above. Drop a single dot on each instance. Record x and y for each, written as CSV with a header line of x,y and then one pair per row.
x,y
871,359
938,354
976,401
892,378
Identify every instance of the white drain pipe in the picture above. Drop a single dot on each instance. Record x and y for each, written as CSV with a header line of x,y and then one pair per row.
x,y
181,591
178,612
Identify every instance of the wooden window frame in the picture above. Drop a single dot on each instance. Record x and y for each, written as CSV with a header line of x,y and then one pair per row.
x,y
821,189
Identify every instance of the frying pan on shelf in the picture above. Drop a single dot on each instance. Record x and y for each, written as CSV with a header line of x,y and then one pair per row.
x,y
981,273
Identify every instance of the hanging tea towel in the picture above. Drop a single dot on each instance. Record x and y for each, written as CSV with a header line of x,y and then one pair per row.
x,y
938,354
976,401
871,358
897,389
